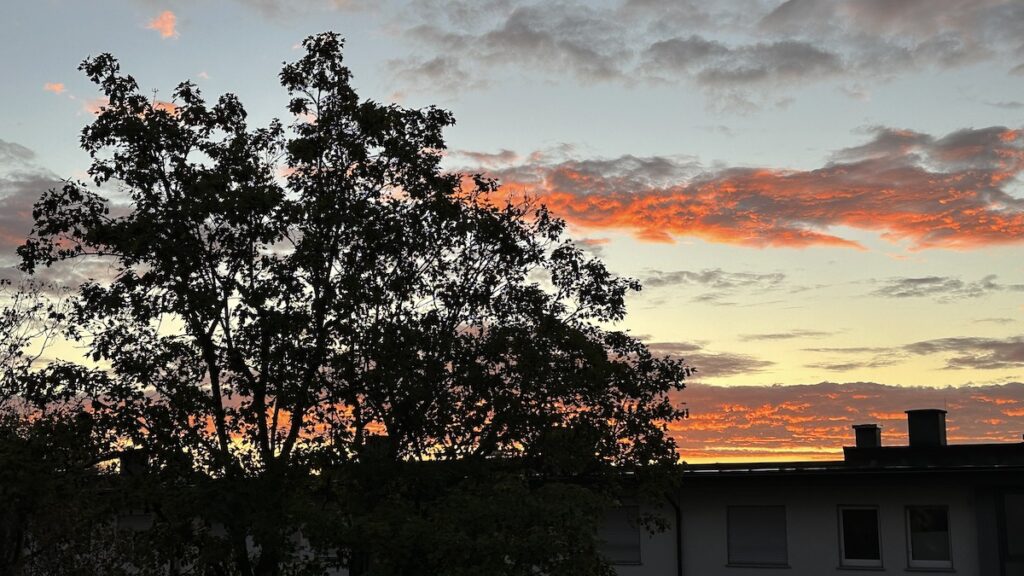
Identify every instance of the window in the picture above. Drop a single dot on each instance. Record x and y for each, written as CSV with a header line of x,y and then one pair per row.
x,y
620,535
859,544
757,535
928,537
1013,521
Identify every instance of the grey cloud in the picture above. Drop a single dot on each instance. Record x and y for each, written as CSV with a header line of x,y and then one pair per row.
x,y
12,154
965,149
595,175
943,288
711,364
853,365
969,352
797,16
22,181
728,47
848,350
790,335
714,278
724,285
771,62
502,157
714,63
974,352
557,38
874,357
1006,104
674,347
443,73
886,142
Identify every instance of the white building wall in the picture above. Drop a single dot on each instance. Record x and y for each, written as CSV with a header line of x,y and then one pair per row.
x,y
812,528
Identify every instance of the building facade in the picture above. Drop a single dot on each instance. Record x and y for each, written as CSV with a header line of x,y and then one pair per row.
x,y
924,508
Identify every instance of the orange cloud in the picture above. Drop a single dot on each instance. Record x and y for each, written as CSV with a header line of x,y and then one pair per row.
x,y
165,24
813,422
930,192
55,87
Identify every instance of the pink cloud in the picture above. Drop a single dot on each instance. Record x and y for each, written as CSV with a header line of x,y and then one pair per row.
x,y
55,87
96,105
165,24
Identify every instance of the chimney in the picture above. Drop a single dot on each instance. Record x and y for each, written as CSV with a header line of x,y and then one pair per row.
x,y
868,435
927,427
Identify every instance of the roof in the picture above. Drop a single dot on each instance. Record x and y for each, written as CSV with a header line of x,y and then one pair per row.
x,y
882,460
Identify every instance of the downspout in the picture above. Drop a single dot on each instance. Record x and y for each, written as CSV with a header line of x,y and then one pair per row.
x,y
679,532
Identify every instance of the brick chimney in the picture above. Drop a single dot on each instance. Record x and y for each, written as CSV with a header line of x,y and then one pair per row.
x,y
868,435
927,427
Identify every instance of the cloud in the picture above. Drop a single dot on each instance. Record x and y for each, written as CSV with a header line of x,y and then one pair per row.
x,y
55,87
848,349
948,192
96,105
995,321
487,160
943,288
440,73
974,353
961,352
1006,104
715,64
22,181
549,36
814,421
710,364
713,278
846,366
279,9
869,357
165,23
723,285
734,48
790,335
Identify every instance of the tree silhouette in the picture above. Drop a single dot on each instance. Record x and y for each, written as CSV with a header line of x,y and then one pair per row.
x,y
333,352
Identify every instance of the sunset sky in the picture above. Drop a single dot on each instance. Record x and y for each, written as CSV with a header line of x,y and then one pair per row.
x,y
822,198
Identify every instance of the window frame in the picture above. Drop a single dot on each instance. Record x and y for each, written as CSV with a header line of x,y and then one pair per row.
x,y
859,562
1004,529
928,564
635,518
756,564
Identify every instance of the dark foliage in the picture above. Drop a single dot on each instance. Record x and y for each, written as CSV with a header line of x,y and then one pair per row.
x,y
334,353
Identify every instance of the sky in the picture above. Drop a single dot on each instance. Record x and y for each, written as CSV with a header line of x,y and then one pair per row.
x,y
822,198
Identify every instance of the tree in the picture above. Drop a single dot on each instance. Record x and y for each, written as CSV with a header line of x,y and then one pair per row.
x,y
307,325
48,451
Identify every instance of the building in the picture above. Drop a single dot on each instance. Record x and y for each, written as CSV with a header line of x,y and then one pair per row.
x,y
924,508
